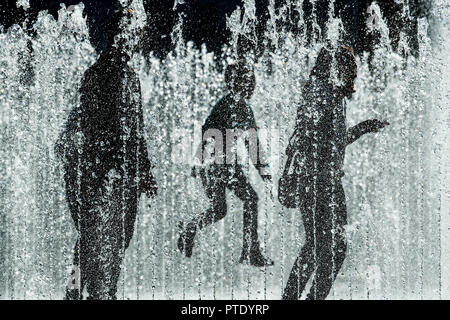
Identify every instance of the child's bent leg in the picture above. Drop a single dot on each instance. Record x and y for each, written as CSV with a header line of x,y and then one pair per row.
x,y
215,191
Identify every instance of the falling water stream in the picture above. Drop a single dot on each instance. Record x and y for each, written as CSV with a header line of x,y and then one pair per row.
x,y
396,181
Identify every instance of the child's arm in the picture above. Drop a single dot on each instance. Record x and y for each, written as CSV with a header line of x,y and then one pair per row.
x,y
259,159
262,163
212,122
368,126
198,155
147,180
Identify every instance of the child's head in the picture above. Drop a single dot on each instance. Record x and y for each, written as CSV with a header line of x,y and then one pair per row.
x,y
346,68
240,79
123,32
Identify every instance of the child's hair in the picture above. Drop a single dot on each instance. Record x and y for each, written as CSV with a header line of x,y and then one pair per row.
x,y
116,24
239,75
345,62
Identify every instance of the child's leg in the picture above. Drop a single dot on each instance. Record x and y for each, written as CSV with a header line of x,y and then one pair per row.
x,y
215,190
300,273
305,264
251,252
240,185
90,256
119,211
331,242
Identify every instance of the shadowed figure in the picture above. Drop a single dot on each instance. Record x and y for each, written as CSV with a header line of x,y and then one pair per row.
x,y
231,116
106,162
316,153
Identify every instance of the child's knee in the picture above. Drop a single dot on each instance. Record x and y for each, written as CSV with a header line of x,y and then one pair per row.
x,y
220,210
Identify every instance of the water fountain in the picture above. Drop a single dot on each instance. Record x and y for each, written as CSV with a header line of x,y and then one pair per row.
x,y
396,182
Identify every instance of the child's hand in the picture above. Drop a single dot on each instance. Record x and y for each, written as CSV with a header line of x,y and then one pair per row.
x,y
194,172
149,186
152,192
376,125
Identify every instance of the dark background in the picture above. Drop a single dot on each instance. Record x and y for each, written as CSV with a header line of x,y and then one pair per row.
x,y
205,20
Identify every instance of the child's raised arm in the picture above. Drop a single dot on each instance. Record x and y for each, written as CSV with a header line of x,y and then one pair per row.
x,y
368,126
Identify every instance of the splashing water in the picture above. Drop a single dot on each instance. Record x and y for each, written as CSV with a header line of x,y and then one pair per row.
x,y
396,181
